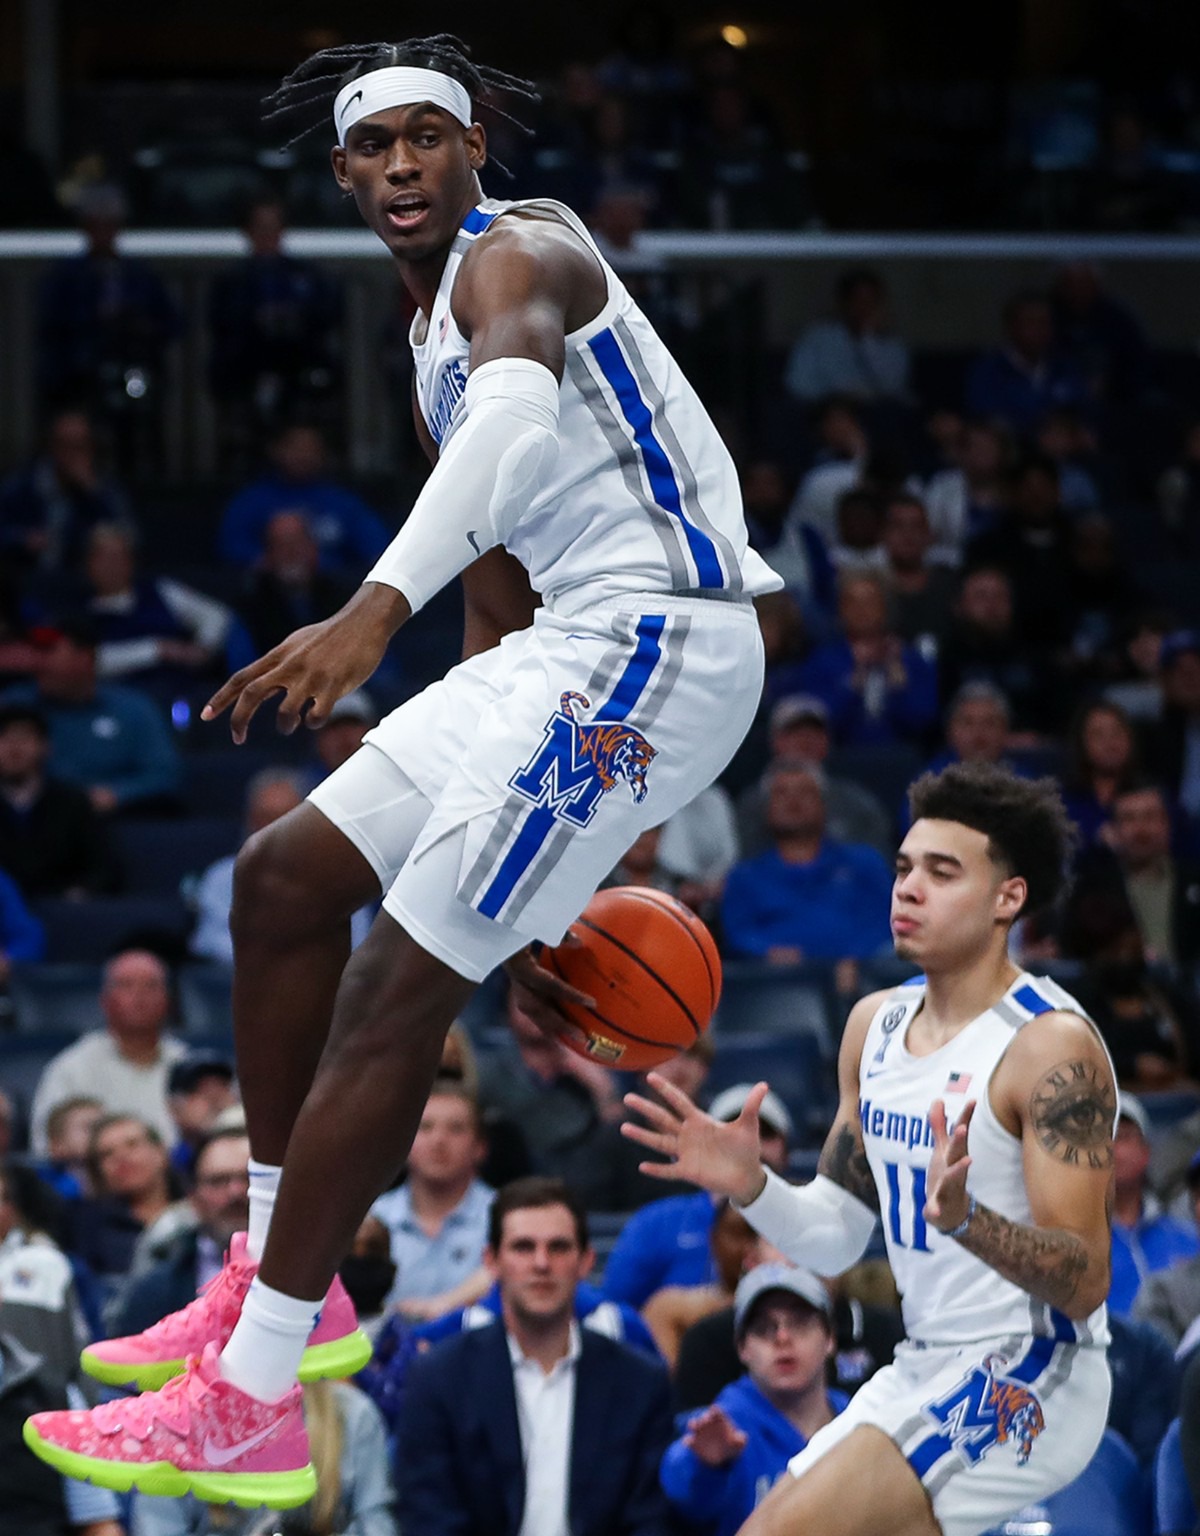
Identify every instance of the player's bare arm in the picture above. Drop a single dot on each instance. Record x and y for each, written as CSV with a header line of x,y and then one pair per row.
x,y
1054,1090
843,1157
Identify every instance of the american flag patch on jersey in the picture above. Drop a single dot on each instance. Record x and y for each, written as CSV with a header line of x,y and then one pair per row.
x,y
957,1082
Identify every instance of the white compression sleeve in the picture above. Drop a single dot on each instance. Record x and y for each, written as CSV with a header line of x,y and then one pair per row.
x,y
496,461
820,1225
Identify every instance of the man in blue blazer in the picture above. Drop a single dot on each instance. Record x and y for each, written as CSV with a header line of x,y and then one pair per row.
x,y
533,1426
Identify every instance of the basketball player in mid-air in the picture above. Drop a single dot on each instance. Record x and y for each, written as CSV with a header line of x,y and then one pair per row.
x,y
572,458
976,1121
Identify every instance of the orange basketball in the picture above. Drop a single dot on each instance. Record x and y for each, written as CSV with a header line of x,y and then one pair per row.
x,y
653,970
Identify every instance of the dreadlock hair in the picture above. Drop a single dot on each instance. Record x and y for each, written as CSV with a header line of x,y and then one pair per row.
x,y
1024,820
304,99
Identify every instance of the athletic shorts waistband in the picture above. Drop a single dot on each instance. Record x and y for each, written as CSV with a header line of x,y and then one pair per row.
x,y
573,607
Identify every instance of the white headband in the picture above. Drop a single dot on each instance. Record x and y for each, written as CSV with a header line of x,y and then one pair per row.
x,y
398,86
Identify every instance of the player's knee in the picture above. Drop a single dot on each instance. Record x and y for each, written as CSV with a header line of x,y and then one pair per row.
x,y
277,890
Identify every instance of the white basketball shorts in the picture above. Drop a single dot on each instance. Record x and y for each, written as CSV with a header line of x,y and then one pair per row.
x,y
988,1428
493,804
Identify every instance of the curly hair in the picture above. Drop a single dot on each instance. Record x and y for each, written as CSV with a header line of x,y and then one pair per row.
x,y
304,98
1024,820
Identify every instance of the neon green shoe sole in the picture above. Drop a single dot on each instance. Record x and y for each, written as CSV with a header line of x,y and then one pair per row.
x,y
340,1357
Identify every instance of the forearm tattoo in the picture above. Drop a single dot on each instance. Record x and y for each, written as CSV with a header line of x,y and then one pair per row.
x,y
844,1160
1072,1111
1049,1264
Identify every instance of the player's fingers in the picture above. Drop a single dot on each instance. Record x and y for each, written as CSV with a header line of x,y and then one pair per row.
x,y
553,989
655,1140
937,1123
655,1113
660,1171
291,708
251,697
230,690
754,1102
675,1097
966,1117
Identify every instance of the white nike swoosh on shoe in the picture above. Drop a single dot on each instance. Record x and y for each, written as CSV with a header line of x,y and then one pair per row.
x,y
222,1455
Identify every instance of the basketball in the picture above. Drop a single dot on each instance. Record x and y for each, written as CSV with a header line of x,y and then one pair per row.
x,y
653,969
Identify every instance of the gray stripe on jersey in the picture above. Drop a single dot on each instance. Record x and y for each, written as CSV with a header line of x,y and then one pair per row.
x,y
673,643
934,1482
461,244
688,487
490,851
670,534
1011,1016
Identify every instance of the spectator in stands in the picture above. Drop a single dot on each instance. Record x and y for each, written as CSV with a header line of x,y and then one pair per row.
x,y
107,738
1164,892
1021,380
735,175
1170,1298
287,591
521,1416
699,846
668,1241
794,548
641,864
39,1301
671,1311
1065,437
105,323
270,794
561,1102
732,1453
125,1064
1145,1238
1179,495
69,1127
200,1088
806,898
273,319
22,937
877,689
969,498
48,508
855,353
52,840
1133,664
218,1207
921,592
1132,188
985,644
368,1274
1099,334
858,541
866,1334
1173,746
1032,543
150,630
799,731
842,456
349,535
438,1217
1104,761
1101,597
131,1174
977,725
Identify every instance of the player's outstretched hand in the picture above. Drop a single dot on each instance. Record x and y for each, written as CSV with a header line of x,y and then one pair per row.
x,y
714,1438
316,666
543,996
946,1198
722,1156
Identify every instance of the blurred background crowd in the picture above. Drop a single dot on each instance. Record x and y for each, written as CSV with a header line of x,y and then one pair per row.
x,y
980,479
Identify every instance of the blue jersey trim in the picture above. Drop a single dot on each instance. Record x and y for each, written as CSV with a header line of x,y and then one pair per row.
x,y
476,221
663,484
1032,1000
541,819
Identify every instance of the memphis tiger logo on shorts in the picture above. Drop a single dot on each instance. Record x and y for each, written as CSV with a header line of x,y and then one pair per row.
x,y
988,1408
578,762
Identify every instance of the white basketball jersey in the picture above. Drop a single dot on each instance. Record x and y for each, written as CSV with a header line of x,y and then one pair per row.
x,y
948,1295
644,496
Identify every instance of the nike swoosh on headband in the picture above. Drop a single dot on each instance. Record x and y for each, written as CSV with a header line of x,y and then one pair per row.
x,y
347,105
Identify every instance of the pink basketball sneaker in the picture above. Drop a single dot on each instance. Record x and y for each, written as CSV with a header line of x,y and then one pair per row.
x,y
337,1346
199,1434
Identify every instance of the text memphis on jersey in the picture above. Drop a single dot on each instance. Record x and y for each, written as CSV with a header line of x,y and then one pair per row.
x,y
892,1125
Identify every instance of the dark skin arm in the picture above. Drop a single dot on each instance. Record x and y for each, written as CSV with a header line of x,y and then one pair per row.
x,y
518,293
1054,1091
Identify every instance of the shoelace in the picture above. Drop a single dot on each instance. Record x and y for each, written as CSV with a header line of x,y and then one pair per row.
x,y
137,1414
230,1278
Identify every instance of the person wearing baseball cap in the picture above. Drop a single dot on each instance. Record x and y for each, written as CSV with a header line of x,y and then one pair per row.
x,y
1170,1299
668,1242
734,1451
1145,1238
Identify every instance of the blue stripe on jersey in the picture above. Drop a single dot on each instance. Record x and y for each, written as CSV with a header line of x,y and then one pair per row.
x,y
541,819
1033,1000
476,221
663,484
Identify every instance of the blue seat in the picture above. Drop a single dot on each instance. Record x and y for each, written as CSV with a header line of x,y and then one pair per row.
x,y
206,1001
157,854
214,782
1174,1512
55,999
1108,1498
768,1000
886,769
23,1059
1168,1107
796,1068
91,931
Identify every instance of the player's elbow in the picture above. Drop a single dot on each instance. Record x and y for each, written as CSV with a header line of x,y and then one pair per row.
x,y
1092,1290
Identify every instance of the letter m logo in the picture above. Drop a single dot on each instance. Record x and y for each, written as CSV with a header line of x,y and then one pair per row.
x,y
558,776
968,1414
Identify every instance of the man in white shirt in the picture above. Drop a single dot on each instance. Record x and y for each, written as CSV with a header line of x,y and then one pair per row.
x,y
125,1064
532,1426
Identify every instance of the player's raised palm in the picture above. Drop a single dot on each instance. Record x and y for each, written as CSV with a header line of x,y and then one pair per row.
x,y
724,1157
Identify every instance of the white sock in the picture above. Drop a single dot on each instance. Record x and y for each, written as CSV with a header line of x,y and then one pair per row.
x,y
264,1351
264,1186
